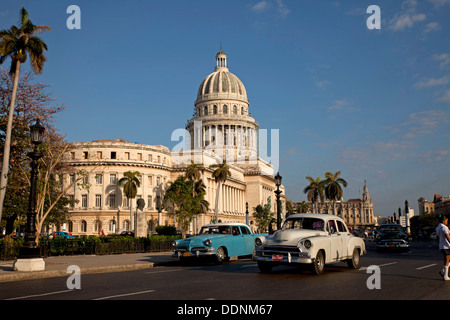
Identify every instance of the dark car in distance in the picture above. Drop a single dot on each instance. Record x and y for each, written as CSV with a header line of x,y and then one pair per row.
x,y
392,236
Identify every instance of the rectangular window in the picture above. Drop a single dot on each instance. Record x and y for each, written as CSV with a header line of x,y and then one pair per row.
x,y
127,156
139,156
71,201
85,154
72,155
112,200
112,179
99,155
98,200
99,179
84,201
149,202
113,155
150,180
150,158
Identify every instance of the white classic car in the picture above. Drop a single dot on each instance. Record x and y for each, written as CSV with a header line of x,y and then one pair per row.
x,y
309,238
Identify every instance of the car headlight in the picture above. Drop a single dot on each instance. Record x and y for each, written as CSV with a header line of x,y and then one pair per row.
x,y
174,244
305,243
258,242
208,242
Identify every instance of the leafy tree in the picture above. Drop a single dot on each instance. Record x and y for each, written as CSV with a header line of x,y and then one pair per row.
x,y
18,43
221,173
130,182
185,203
263,215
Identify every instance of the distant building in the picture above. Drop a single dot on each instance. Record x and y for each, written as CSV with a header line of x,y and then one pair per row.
x,y
441,205
425,207
357,213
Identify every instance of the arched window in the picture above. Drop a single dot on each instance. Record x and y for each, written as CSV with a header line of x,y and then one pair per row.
x,y
215,109
242,111
97,226
234,110
206,111
225,109
126,225
70,226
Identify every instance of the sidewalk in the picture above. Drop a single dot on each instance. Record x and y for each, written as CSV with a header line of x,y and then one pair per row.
x,y
57,266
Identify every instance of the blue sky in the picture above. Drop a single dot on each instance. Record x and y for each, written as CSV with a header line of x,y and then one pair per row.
x,y
374,104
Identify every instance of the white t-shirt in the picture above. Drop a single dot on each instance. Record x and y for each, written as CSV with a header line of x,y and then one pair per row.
x,y
441,231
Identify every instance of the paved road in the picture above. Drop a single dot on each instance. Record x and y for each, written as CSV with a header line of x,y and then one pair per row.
x,y
404,276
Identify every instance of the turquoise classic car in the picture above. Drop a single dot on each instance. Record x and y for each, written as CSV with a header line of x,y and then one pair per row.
x,y
220,241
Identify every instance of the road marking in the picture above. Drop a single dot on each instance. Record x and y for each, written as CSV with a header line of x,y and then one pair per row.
x,y
381,265
163,271
430,265
40,295
125,295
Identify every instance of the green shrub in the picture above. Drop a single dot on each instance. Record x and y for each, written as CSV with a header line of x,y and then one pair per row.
x,y
166,230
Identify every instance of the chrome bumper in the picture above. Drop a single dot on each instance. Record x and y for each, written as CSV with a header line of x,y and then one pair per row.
x,y
393,244
203,252
287,257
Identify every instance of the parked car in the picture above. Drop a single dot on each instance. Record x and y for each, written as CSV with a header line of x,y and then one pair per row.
x,y
392,236
221,241
59,234
307,238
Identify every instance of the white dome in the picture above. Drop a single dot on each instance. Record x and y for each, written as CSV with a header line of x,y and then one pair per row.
x,y
221,84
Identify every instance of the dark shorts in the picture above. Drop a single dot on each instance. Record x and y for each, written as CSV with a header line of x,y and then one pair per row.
x,y
445,252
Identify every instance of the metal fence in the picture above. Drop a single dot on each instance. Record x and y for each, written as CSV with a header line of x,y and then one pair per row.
x,y
59,247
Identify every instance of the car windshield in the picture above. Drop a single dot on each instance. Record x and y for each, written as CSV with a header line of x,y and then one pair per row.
x,y
215,230
393,228
304,223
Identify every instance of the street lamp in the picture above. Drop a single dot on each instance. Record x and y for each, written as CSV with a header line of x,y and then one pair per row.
x,y
278,193
29,251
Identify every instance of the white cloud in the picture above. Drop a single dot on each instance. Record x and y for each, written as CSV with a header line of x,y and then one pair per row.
x,y
440,3
282,10
445,97
342,105
260,7
431,82
444,58
407,17
432,26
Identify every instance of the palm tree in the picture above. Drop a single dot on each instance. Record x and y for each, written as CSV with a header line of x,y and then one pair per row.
x,y
221,173
302,207
194,171
314,190
17,43
130,182
333,189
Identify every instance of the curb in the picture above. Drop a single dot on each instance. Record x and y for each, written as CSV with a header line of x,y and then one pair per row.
x,y
14,276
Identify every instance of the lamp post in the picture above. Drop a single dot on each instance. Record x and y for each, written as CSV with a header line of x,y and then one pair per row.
x,y
29,254
278,193
246,214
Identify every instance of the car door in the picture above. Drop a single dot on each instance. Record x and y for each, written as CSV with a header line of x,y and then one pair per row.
x,y
249,240
334,239
345,235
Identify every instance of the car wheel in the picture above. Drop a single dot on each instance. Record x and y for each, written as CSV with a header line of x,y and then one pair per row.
x,y
319,263
221,255
354,261
264,267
